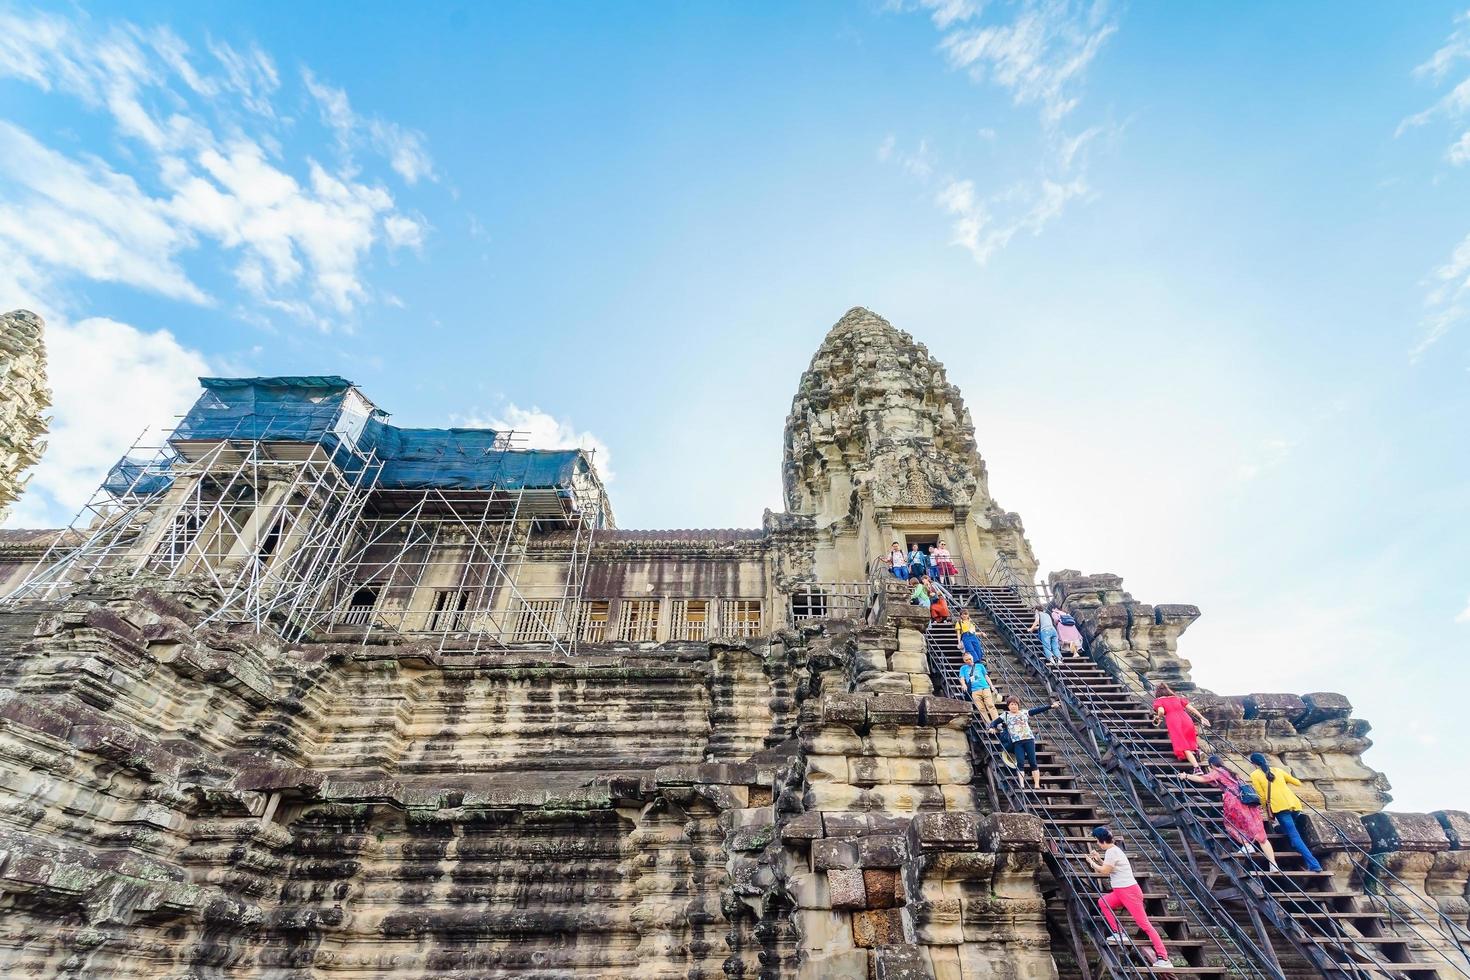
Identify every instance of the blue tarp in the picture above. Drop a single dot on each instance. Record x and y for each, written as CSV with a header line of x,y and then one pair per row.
x,y
293,409
142,477
462,459
306,409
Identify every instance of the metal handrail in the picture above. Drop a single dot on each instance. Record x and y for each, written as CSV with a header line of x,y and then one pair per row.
x,y
1205,913
1459,935
1140,770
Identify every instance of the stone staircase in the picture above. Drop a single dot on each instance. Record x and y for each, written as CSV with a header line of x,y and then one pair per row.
x,y
1075,798
1326,922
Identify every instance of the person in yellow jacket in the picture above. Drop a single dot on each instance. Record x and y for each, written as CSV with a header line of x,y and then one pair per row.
x,y
969,638
1273,785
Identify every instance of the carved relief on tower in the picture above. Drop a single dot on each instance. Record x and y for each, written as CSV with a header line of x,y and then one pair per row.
x,y
24,399
875,413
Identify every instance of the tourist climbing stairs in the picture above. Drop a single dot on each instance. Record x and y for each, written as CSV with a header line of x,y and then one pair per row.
x,y
1077,795
1333,925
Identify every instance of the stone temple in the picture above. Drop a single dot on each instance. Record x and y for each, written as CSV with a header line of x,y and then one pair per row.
x,y
305,694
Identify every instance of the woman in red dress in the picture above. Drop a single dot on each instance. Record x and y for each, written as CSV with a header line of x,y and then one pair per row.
x,y
1173,711
1244,823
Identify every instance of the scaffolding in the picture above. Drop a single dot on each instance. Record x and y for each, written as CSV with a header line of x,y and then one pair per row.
x,y
467,568
296,502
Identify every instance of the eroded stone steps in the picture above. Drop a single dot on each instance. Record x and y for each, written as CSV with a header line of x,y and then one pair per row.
x,y
1119,710
1060,802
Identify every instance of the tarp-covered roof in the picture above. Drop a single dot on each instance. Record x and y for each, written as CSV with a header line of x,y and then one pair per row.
x,y
308,409
292,409
463,459
138,476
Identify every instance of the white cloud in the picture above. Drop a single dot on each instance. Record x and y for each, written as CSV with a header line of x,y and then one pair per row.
x,y
1027,207
1448,285
1456,48
1463,616
1040,58
404,149
535,429
109,381
212,174
1445,306
82,217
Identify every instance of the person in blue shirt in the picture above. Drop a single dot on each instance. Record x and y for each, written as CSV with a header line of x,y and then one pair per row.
x,y
976,680
918,567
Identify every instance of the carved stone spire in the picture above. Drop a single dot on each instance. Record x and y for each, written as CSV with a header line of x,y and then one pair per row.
x,y
876,429
24,399
875,411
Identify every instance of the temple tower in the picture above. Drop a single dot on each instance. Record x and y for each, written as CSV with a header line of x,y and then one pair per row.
x,y
880,447
24,399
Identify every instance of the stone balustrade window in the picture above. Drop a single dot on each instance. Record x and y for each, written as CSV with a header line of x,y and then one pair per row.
x,y
741,617
594,622
690,619
450,612
808,604
536,621
360,608
638,620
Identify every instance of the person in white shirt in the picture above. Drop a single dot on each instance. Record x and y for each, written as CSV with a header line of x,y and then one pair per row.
x,y
1107,858
898,562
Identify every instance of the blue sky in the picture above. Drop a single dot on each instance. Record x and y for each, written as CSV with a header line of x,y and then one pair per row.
x,y
1201,272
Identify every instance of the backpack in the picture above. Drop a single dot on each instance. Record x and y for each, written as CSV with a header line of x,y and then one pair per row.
x,y
1248,795
1067,620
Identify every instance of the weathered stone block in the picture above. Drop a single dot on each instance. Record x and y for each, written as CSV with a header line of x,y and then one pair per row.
x,y
901,963
882,851
809,889
882,887
937,922
1322,706
845,824
1327,831
1456,826
832,740
807,826
952,743
845,709
1287,707
877,927
952,712
1011,832
847,888
892,740
946,831
849,965
826,768
894,709
1405,832
832,854
870,770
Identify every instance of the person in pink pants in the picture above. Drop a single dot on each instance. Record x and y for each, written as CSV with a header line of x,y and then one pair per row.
x,y
1109,859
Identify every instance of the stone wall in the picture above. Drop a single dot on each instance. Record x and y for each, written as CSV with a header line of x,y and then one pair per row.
x,y
1314,734
186,801
24,399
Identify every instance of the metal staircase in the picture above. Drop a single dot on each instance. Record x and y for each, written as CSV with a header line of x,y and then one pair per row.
x,y
1334,926
1076,795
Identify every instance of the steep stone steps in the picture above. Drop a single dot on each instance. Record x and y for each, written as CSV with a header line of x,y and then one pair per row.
x,y
1062,803
1290,896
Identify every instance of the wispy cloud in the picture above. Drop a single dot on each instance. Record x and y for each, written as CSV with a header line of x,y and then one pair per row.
x,y
1463,616
199,164
405,149
535,429
1447,287
1039,57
